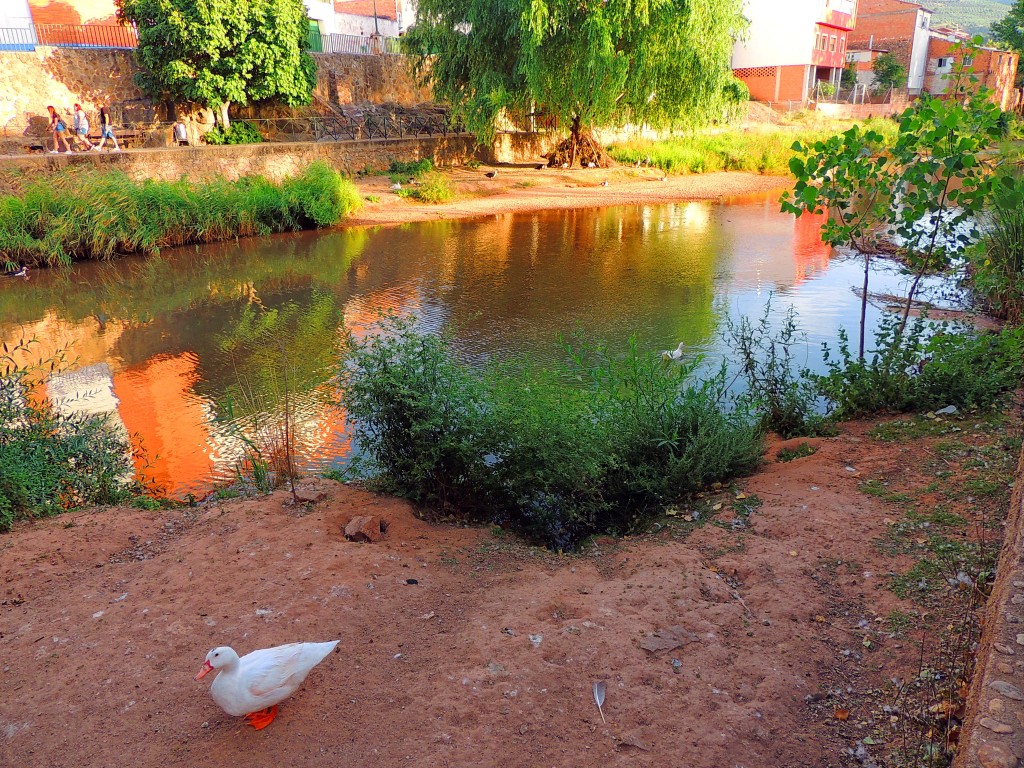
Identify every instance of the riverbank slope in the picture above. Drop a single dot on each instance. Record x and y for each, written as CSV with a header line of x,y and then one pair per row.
x,y
767,632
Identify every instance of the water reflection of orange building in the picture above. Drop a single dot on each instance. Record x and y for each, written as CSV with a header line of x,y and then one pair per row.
x,y
810,254
169,424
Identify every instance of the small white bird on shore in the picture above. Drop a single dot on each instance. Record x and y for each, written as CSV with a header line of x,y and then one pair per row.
x,y
675,355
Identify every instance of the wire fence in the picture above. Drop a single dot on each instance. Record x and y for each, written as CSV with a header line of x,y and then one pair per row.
x,y
125,36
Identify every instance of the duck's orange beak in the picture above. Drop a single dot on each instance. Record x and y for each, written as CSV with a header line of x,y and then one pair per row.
x,y
207,669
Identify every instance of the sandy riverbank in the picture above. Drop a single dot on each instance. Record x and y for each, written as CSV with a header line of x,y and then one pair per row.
x,y
522,189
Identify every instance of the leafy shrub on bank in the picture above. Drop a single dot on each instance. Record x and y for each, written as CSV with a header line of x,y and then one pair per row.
x,y
434,188
915,371
51,462
559,454
100,215
240,132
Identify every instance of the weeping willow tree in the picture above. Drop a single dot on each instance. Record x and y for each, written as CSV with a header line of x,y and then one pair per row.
x,y
588,63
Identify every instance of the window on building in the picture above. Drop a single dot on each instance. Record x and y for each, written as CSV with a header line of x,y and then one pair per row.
x,y
842,45
832,44
945,62
968,60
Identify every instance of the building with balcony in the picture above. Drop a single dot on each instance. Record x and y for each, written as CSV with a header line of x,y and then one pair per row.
x,y
788,52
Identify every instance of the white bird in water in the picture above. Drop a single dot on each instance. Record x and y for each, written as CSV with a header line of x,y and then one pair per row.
x,y
256,683
675,355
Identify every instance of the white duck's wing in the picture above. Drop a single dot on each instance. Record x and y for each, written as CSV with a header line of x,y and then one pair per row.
x,y
280,671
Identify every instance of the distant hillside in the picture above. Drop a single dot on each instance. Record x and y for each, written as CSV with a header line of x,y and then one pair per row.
x,y
975,16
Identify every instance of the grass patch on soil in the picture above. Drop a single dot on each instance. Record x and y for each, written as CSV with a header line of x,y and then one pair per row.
x,y
799,451
944,526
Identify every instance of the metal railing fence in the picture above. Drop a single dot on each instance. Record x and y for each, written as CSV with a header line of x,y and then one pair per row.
x,y
353,44
87,35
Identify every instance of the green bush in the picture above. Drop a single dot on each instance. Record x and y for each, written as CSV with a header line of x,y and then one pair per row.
x,y
102,214
592,446
240,132
50,462
433,189
400,172
915,371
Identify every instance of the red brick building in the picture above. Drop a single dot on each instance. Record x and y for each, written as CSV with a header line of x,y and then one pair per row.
x,y
787,53
897,27
993,68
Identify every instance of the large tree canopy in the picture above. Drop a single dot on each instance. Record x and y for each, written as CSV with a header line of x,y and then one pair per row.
x,y
586,62
215,52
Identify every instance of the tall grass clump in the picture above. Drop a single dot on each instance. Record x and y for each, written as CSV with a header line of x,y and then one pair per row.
x,y
997,261
778,391
593,445
104,214
766,152
51,462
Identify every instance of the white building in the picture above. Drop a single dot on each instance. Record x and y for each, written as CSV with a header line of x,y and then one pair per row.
x,y
793,45
15,25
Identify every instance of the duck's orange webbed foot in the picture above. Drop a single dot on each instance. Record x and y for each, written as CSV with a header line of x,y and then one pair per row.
x,y
263,718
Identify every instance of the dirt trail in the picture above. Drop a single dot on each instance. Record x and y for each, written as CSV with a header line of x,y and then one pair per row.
x,y
488,659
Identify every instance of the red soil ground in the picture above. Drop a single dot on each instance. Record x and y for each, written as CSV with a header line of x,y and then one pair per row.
x,y
488,659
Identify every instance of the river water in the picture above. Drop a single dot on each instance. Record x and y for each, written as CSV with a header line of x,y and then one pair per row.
x,y
177,349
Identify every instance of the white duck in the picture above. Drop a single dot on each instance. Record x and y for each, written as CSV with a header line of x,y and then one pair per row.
x,y
675,355
256,683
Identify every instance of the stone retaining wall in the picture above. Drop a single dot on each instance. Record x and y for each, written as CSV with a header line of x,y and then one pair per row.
x,y
31,80
993,733
275,161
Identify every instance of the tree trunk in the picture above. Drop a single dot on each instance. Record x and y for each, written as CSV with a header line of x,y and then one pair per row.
x,y
864,305
222,116
576,132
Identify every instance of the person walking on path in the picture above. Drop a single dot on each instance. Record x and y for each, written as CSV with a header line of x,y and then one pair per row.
x,y
59,129
106,131
81,135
